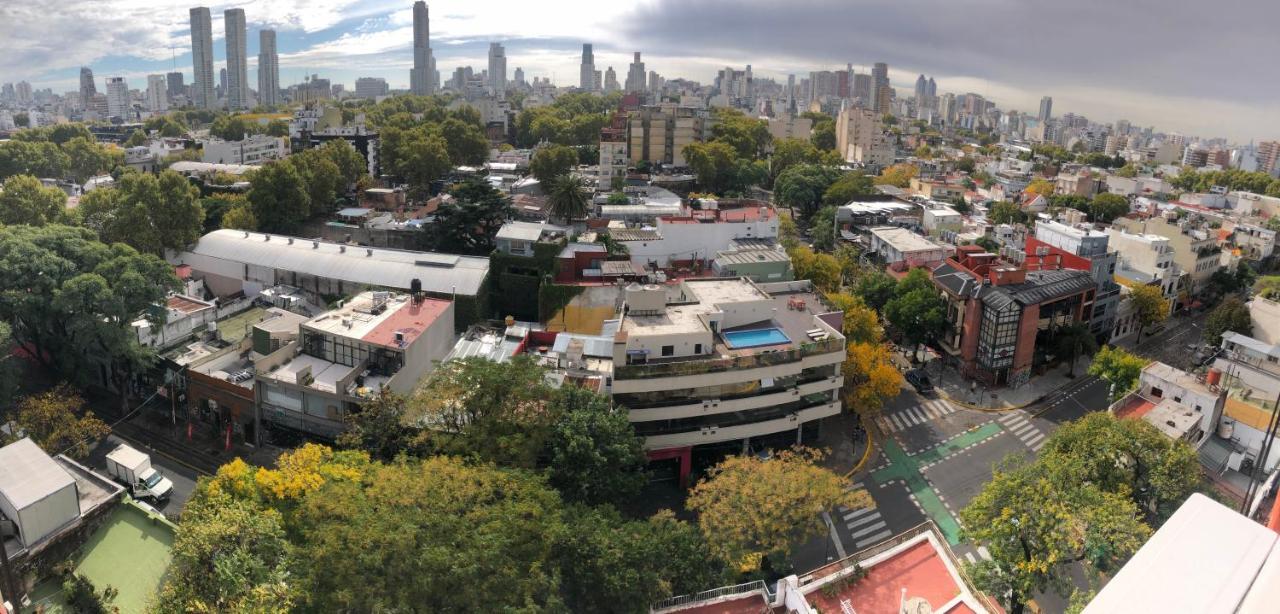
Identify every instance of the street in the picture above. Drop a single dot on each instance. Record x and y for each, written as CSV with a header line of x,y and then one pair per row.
x,y
183,477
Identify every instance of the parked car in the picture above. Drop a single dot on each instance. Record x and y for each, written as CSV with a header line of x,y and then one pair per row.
x,y
919,381
133,469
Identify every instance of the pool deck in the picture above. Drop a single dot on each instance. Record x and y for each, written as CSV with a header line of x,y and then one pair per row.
x,y
130,553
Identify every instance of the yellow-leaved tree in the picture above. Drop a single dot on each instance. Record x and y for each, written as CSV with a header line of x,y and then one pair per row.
x,y
749,507
869,378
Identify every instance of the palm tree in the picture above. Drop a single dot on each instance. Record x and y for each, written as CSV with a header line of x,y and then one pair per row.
x,y
1073,340
567,198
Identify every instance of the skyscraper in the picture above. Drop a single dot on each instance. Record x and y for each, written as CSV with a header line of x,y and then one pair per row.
x,y
587,70
117,97
23,93
1046,108
791,94
175,83
268,69
202,58
922,90
635,75
862,88
422,78
518,77
87,88
497,70
157,93
610,80
931,90
237,63
881,92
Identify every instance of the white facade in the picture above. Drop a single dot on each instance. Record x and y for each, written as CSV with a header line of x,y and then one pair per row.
x,y
268,69
1079,241
371,87
860,137
237,63
255,149
681,241
613,163
36,493
942,218
157,93
899,244
497,70
117,97
202,93
1145,259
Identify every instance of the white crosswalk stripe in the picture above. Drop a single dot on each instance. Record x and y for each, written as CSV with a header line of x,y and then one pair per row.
x,y
984,553
866,526
1024,429
912,416
972,559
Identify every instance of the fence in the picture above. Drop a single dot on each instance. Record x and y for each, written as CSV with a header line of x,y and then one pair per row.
x,y
715,593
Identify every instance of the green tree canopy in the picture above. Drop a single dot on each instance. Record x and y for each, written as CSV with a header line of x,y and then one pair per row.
x,y
278,196
849,187
552,161
1150,305
25,200
567,198
1230,315
468,223
593,454
803,186
1005,212
151,213
1118,367
1106,207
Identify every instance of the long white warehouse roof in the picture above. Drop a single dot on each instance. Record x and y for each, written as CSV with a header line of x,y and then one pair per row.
x,y
381,267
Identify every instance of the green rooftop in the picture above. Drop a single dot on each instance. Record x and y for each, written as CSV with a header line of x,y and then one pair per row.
x,y
130,552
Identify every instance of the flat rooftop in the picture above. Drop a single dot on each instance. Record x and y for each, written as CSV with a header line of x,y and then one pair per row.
x,y
1179,377
385,319
904,240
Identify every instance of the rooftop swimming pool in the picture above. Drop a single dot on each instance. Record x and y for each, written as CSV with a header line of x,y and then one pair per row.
x,y
741,339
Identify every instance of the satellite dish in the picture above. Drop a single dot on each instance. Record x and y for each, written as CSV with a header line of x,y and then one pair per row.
x,y
917,605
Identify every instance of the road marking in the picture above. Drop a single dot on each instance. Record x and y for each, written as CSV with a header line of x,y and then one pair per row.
x,y
872,518
875,539
1022,428
879,526
972,559
984,553
897,422
835,537
858,512
1034,441
912,416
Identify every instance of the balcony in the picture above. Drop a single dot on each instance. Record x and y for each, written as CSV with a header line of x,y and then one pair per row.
x,y
711,407
755,424
677,368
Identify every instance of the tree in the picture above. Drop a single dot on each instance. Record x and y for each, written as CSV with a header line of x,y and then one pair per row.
x,y
425,161
876,289
25,200
1072,341
380,429
150,213
233,128
321,178
870,378
615,565
280,128
1231,315
1119,368
823,135
351,164
80,594
747,135
58,422
714,164
1150,305
1126,457
69,297
552,161
861,323
228,556
917,312
468,223
966,164
567,198
86,159
822,269
406,537
138,138
899,175
790,152
788,235
847,188
278,197
1040,187
1106,207
803,186
240,217
1036,529
1005,212
593,454
738,528
822,229
1070,201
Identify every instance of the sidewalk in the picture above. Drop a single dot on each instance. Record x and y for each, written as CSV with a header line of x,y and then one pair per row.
x,y
203,452
838,437
974,395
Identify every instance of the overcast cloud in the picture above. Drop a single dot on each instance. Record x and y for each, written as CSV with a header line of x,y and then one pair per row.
x,y
1202,68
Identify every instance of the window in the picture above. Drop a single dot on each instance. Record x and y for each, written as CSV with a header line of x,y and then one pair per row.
x,y
1156,392
697,348
668,350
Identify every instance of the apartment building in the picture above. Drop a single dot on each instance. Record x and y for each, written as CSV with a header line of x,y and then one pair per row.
x,y
1082,249
694,237
659,133
255,149
899,245
1195,247
997,313
342,358
723,362
860,137
1145,260
937,190
613,163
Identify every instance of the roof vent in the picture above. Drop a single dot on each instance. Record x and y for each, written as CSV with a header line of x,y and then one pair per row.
x,y
315,245
369,252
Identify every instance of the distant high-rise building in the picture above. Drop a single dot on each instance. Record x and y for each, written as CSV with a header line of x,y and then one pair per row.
x,y
202,58
157,93
922,90
371,87
587,70
610,80
1046,108
931,90
22,93
237,62
882,92
497,70
1268,157
422,78
268,69
175,84
87,88
655,82
518,77
117,97
222,83
791,94
635,75
862,89
6,92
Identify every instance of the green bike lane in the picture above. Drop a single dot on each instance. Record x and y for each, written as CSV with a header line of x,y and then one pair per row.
x,y
910,470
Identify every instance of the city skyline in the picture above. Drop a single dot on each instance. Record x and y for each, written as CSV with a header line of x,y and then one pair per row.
x,y
344,40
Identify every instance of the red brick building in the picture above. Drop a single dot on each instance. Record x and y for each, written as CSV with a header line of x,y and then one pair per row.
x,y
998,312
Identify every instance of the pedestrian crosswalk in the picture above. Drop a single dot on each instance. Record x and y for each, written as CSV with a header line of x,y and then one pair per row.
x,y
866,526
1017,423
983,553
907,418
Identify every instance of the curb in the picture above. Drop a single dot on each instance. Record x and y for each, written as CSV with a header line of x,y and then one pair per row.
x,y
871,446
996,410
137,442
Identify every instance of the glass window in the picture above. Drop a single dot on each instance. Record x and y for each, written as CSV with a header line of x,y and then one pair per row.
x,y
668,350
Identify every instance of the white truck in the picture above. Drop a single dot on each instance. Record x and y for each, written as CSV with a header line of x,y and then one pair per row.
x,y
133,469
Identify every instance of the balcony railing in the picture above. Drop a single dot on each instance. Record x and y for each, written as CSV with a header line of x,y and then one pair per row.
x,y
717,365
746,588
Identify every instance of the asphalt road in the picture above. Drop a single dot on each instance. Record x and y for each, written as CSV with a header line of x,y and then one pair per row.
x,y
183,478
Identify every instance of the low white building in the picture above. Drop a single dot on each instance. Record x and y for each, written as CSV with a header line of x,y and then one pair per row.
x,y
255,149
36,494
697,235
901,245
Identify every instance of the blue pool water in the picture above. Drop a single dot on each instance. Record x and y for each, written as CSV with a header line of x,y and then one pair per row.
x,y
755,338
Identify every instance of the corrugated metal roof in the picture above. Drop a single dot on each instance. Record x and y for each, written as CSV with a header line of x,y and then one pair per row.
x,y
28,474
527,231
379,267
599,347
751,256
634,234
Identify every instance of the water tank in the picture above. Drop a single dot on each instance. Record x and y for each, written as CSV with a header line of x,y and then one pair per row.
x,y
415,286
648,298
1213,377
1226,429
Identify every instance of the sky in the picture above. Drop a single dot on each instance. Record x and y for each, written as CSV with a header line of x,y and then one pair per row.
x,y
1198,68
